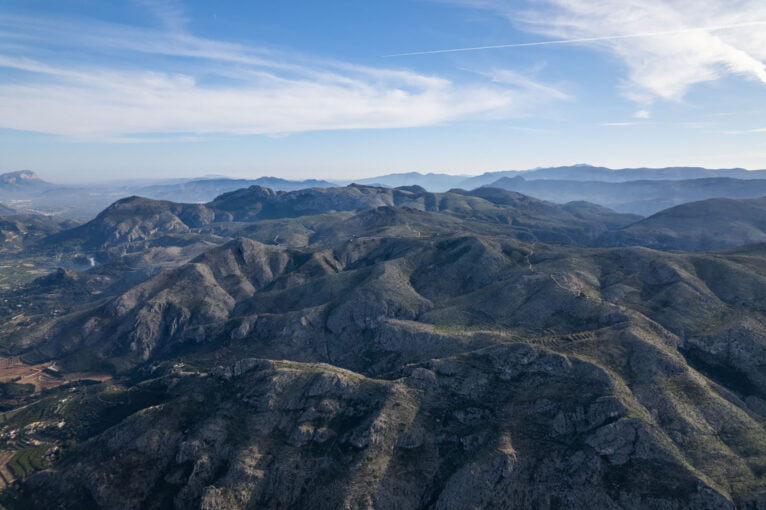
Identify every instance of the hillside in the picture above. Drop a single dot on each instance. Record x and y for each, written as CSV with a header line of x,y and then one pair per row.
x,y
479,365
84,201
136,223
603,174
645,197
705,225
415,349
578,173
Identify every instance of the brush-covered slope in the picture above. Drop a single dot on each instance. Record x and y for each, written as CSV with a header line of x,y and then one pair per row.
x,y
449,370
136,223
20,231
706,225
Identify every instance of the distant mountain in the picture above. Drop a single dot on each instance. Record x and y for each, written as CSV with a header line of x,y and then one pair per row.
x,y
594,173
443,182
135,223
603,174
713,224
83,202
638,197
559,184
23,180
430,181
205,190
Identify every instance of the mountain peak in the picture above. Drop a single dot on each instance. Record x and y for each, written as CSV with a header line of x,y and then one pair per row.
x,y
20,177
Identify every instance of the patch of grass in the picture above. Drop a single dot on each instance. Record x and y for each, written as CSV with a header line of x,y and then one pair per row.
x,y
29,460
40,410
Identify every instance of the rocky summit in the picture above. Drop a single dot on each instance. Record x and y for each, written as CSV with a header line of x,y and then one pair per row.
x,y
366,347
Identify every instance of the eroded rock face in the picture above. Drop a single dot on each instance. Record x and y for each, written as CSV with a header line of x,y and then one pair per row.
x,y
465,433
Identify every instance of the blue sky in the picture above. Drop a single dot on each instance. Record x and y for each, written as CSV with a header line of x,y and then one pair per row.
x,y
169,88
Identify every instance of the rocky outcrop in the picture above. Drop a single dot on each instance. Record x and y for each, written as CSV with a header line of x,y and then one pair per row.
x,y
455,433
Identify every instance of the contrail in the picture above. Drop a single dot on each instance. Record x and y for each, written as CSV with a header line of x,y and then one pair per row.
x,y
582,40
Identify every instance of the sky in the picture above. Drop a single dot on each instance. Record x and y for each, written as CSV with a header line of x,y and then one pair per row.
x,y
97,90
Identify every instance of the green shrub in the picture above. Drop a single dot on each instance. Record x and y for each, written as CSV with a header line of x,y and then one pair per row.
x,y
29,460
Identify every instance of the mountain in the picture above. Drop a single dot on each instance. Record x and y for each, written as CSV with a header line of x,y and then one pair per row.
x,y
83,202
638,197
603,174
135,223
594,173
20,231
560,184
713,224
577,173
442,371
24,180
205,190
370,347
429,181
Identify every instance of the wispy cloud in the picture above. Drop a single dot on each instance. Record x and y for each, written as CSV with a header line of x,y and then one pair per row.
x,y
624,124
523,82
642,114
169,12
667,46
744,131
580,40
211,86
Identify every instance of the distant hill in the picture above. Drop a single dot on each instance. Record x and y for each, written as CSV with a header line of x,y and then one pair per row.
x,y
22,180
430,181
443,182
603,174
641,191
136,222
19,231
205,190
83,202
713,224
644,197
7,210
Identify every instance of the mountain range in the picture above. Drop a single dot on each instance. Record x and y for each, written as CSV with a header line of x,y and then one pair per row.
x,y
641,191
582,172
362,346
644,197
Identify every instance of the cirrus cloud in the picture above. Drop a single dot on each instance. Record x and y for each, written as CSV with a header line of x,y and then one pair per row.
x,y
667,46
171,81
